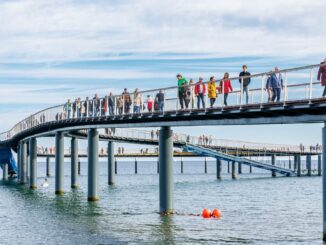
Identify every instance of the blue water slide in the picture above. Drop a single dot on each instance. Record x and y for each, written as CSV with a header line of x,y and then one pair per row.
x,y
6,156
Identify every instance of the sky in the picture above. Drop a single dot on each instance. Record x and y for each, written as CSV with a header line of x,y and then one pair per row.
x,y
54,50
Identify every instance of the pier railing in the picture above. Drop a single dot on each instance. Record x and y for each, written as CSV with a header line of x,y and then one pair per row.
x,y
298,84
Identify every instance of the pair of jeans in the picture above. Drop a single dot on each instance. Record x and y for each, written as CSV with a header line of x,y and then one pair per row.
x,y
212,101
182,98
78,113
226,99
276,94
200,97
111,112
160,105
245,90
136,109
69,114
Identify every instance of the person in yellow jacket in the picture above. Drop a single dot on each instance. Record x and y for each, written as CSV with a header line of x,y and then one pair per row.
x,y
211,87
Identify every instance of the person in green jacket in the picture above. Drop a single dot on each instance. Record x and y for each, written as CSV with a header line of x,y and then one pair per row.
x,y
67,108
181,91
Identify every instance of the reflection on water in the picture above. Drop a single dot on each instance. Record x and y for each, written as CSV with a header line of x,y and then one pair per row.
x,y
256,209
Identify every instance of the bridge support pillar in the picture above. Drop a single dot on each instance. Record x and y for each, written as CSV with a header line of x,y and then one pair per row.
x,y
218,169
18,162
290,164
158,166
228,167
33,163
78,167
308,165
273,163
48,166
239,168
93,171
115,166
298,165
319,165
205,166
5,171
111,163
250,168
181,166
59,161
23,159
324,180
136,166
233,172
166,170
74,163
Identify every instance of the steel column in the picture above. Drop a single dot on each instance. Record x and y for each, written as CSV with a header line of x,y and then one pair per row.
x,y
59,161
74,163
273,163
239,167
166,170
111,163
181,166
298,165
48,166
308,164
233,172
319,165
218,169
33,163
205,165
136,166
23,163
93,171
5,171
18,162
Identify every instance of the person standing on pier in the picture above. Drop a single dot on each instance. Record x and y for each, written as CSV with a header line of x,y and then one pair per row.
x,y
149,103
127,100
200,91
276,83
211,87
226,87
96,105
181,95
192,90
160,100
322,75
67,108
111,104
137,101
246,81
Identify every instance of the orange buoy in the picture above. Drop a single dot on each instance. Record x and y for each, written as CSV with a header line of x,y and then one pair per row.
x,y
206,213
216,213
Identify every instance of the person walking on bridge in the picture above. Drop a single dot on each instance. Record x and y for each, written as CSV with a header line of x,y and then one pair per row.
x,y
138,102
181,94
226,87
211,87
160,100
200,91
322,75
67,108
243,78
111,104
126,100
276,82
96,105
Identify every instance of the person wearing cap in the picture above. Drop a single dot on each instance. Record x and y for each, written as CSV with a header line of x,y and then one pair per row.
x,y
322,75
200,91
245,81
181,93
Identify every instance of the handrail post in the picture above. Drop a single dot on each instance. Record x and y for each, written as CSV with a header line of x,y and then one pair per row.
x,y
310,85
241,92
262,90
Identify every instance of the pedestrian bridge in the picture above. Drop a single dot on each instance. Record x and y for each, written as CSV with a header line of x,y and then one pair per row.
x,y
301,102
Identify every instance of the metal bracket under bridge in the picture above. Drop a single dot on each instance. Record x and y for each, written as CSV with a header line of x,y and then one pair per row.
x,y
222,156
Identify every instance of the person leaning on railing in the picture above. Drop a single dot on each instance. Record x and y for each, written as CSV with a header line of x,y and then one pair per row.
x,y
276,83
200,91
246,81
226,87
322,75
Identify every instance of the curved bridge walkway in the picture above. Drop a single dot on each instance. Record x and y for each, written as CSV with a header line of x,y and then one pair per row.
x,y
300,102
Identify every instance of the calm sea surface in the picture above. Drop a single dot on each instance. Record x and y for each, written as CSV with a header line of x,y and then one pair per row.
x,y
256,209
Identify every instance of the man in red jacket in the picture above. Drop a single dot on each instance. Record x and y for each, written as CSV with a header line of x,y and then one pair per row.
x,y
322,75
200,91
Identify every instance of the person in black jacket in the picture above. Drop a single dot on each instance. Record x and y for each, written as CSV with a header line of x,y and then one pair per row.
x,y
246,81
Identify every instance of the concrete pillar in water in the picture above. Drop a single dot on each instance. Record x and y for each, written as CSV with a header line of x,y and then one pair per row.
x,y
295,162
158,166
308,164
78,166
93,171
74,163
115,166
48,166
33,163
136,166
290,163
181,166
298,165
166,170
23,150
250,168
218,169
59,161
324,180
319,165
111,163
5,171
233,172
273,163
239,167
205,165
228,167
18,162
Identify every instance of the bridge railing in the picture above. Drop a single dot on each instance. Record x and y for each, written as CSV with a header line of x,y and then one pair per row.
x,y
298,84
